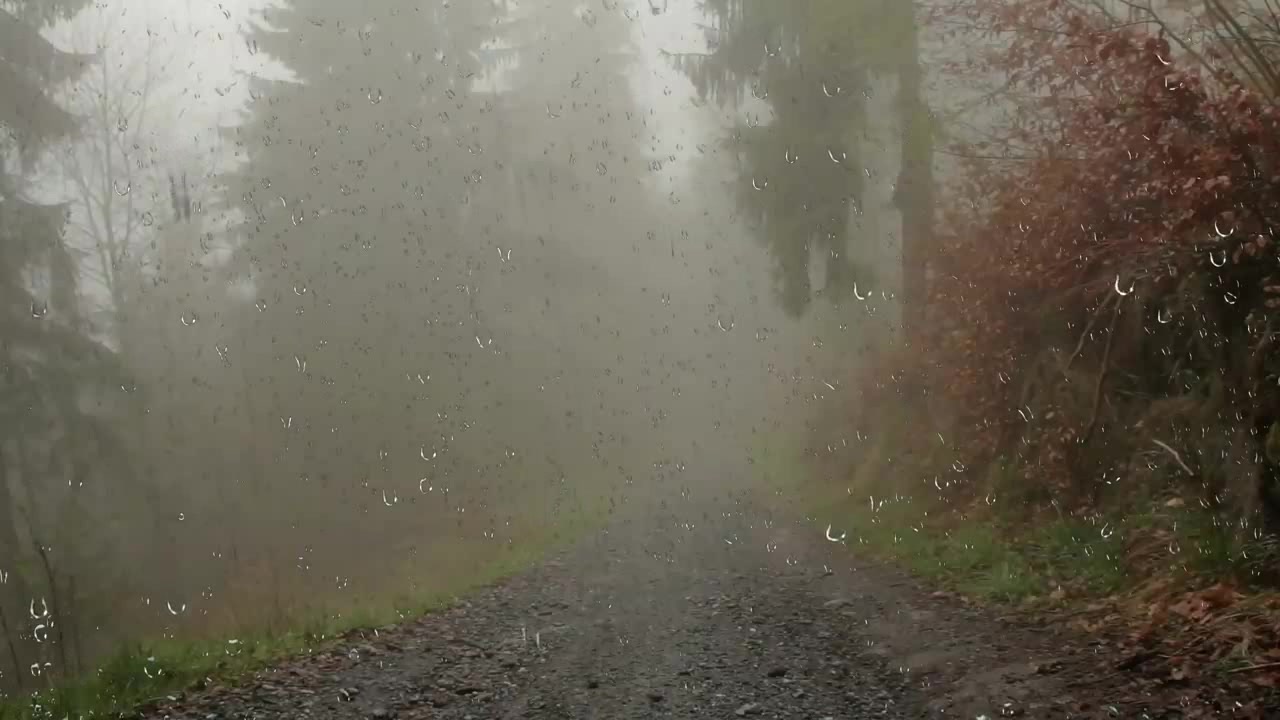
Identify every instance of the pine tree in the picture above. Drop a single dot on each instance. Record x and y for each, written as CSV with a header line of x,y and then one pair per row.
x,y
804,75
51,372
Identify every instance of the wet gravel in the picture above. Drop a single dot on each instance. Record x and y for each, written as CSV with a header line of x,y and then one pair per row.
x,y
739,618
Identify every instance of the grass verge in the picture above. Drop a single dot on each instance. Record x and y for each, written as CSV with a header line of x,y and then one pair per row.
x,y
1002,551
149,671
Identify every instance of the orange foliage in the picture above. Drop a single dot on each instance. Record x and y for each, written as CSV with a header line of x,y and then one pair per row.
x,y
1139,191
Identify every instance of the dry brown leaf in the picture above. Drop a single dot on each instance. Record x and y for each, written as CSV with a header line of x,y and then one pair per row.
x,y
1220,595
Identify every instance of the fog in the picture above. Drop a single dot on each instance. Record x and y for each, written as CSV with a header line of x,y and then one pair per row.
x,y
325,304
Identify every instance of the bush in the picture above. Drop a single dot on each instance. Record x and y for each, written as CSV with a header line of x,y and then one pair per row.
x,y
1103,305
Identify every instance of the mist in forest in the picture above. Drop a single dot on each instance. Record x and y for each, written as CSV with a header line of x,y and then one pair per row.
x,y
310,304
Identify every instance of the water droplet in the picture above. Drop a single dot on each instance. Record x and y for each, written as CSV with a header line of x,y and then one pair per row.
x,y
759,184
1163,316
601,168
124,189
791,156
1217,258
833,538
1218,229
1107,531
39,308
44,610
175,611
1123,292
261,305
189,318
375,96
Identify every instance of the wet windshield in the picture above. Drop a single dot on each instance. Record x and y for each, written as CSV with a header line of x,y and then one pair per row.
x,y
638,358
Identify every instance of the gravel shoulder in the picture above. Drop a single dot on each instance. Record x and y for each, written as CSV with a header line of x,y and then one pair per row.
x,y
732,616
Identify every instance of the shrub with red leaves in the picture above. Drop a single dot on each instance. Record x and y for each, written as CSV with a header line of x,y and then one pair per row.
x,y
1115,285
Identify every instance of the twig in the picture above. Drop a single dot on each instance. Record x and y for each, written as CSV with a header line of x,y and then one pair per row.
x,y
1102,375
1260,666
1175,455
58,616
73,618
1093,319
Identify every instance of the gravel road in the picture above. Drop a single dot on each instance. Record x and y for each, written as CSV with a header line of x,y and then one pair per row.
x,y
731,616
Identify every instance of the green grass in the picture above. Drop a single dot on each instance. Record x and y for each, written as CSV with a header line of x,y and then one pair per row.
x,y
149,671
978,556
1005,552
993,554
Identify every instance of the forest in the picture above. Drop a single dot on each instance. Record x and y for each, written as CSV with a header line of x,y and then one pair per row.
x,y
314,314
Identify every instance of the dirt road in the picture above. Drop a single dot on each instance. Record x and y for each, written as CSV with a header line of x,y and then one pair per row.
x,y
733,615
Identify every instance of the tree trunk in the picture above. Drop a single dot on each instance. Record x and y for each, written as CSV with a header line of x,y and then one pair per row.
x,y
914,195
13,586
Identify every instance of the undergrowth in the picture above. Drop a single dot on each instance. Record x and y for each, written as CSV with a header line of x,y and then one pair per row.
x,y
1007,547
